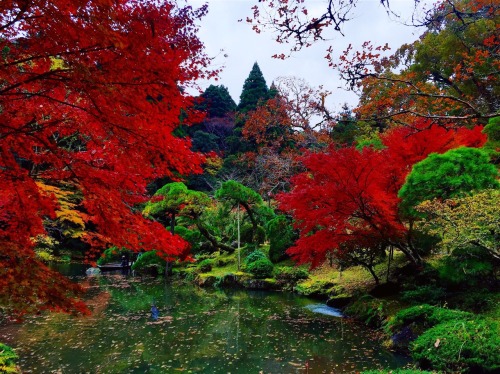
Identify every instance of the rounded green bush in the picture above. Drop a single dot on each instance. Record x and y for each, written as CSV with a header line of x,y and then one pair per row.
x,y
149,259
460,346
112,254
262,268
254,256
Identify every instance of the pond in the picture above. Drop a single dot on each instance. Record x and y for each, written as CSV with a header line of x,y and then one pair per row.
x,y
198,331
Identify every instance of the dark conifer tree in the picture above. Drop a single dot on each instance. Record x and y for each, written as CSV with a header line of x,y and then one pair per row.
x,y
254,90
217,101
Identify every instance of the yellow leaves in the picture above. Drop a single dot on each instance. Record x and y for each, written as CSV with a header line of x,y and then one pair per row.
x,y
57,63
213,165
68,217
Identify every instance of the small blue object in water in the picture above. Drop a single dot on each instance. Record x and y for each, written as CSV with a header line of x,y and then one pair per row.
x,y
155,313
324,309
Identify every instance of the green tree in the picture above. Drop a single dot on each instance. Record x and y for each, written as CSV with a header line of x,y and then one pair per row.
x,y
281,237
471,220
167,201
216,101
236,194
254,90
443,176
178,200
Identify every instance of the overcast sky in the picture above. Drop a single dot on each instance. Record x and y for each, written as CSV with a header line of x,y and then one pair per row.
x,y
236,46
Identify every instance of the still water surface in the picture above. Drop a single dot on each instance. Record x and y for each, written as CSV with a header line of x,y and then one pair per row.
x,y
198,331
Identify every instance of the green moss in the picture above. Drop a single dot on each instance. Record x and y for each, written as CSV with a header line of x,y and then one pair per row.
x,y
314,287
460,346
424,316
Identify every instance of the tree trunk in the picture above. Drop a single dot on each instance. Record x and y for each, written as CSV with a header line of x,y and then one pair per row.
x,y
252,219
172,231
211,238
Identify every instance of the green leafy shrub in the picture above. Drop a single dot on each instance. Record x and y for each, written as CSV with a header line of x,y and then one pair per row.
x,y
112,254
469,266
474,300
424,294
7,359
206,265
149,260
65,259
261,268
424,316
254,256
460,346
368,309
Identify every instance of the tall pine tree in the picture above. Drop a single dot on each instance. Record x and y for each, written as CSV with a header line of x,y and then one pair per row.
x,y
217,101
254,90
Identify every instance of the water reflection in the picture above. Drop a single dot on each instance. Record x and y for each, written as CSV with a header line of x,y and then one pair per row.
x,y
198,330
324,309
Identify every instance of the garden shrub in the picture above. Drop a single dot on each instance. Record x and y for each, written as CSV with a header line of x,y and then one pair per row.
x,y
469,266
206,265
112,254
7,359
254,256
460,346
428,294
149,260
369,310
474,300
261,268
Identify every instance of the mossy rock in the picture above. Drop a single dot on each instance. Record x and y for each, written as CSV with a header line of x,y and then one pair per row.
x,y
317,288
259,284
460,346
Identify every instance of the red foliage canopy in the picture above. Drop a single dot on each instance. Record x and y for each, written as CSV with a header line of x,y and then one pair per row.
x,y
90,93
348,196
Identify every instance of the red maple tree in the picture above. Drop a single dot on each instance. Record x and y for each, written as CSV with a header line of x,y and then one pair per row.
x,y
350,196
90,93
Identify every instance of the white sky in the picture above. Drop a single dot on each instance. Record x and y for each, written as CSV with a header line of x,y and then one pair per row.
x,y
224,36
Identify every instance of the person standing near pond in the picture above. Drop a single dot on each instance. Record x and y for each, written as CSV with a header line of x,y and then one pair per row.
x,y
155,313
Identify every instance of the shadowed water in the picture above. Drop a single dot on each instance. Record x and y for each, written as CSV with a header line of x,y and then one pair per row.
x,y
198,331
